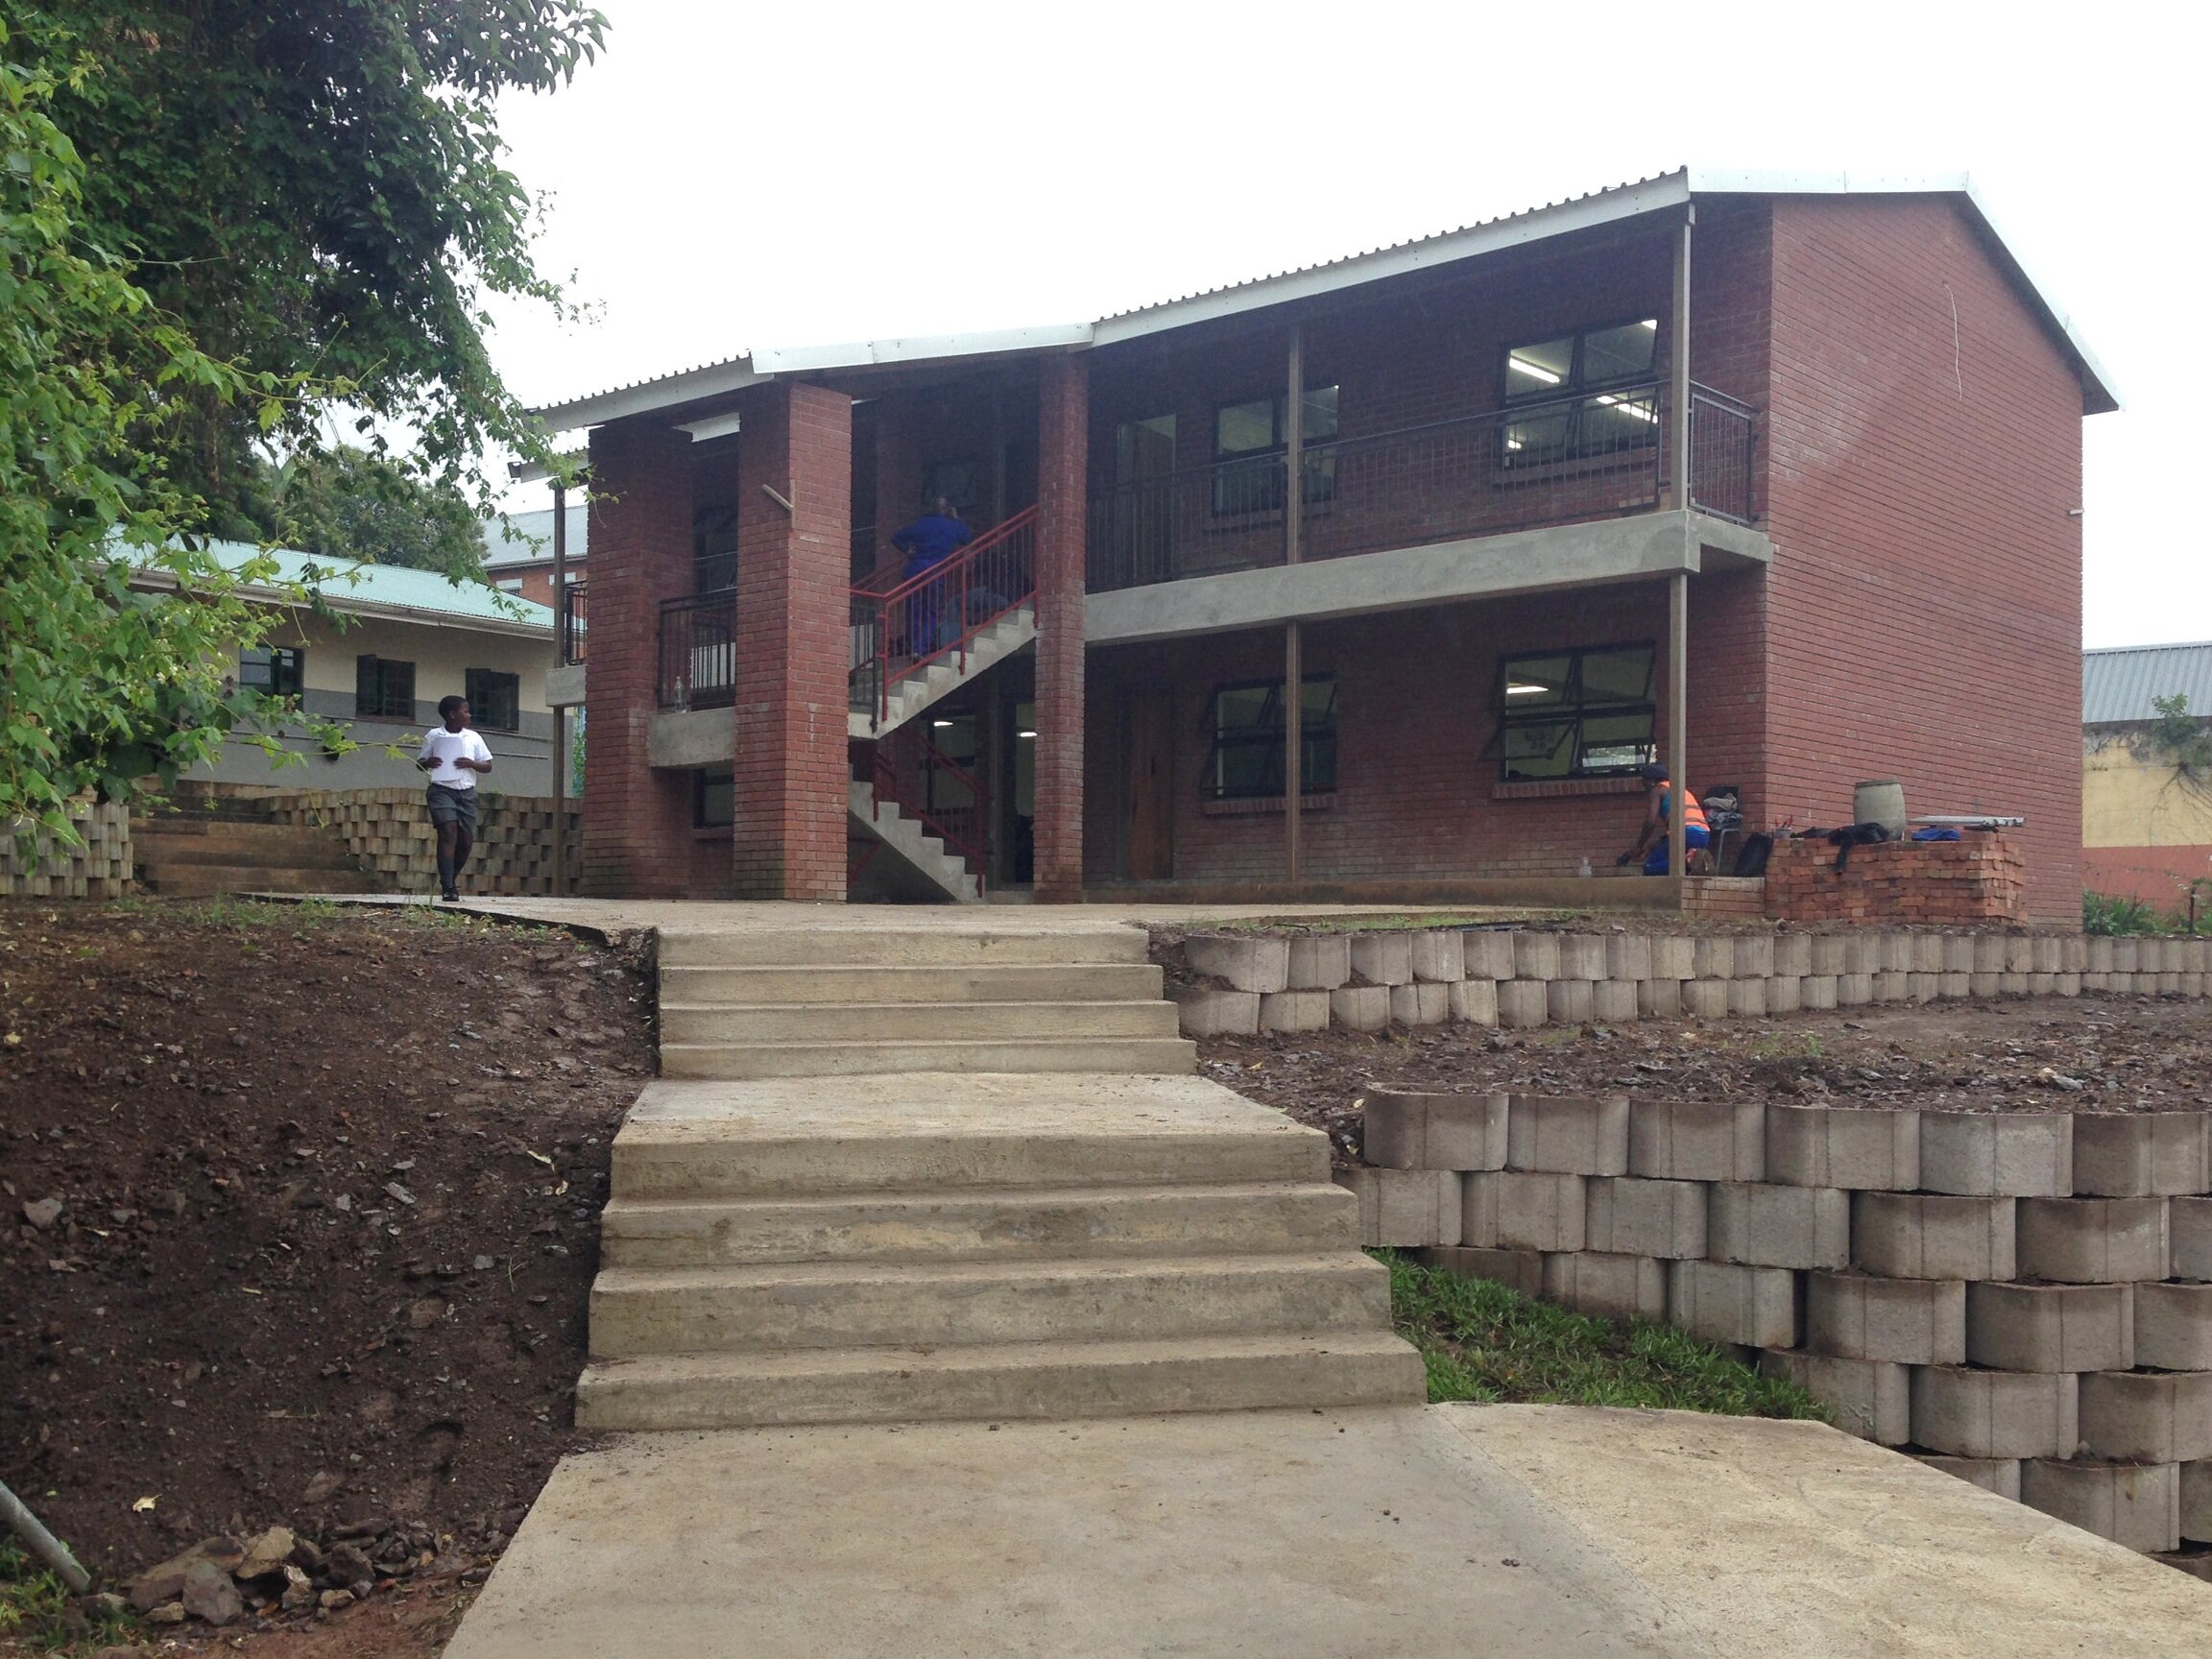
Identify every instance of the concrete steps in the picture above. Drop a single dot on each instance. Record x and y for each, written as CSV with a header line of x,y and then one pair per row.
x,y
979,1224
880,1022
898,1172
945,871
1037,1379
916,692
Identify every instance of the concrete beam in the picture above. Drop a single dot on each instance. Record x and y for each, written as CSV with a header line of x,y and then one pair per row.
x,y
1641,548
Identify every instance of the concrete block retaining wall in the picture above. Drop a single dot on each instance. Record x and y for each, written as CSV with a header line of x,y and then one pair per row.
x,y
389,832
99,867
2024,1300
1367,981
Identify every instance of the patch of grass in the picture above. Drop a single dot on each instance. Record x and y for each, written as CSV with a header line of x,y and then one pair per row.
x,y
1483,1340
2105,914
37,1611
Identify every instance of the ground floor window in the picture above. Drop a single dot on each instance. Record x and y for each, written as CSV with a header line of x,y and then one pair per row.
x,y
494,699
383,687
1577,714
1245,760
275,670
713,797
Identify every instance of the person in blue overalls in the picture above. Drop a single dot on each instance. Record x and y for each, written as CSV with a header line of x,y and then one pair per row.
x,y
927,543
1652,842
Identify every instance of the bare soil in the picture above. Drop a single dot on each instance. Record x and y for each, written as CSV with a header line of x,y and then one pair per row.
x,y
2094,1053
329,1182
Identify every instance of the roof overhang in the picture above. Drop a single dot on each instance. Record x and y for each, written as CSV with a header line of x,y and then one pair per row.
x,y
1669,192
337,600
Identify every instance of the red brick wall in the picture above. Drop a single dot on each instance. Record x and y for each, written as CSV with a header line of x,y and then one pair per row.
x,y
1063,399
1418,786
636,821
1924,610
787,839
2158,875
1978,879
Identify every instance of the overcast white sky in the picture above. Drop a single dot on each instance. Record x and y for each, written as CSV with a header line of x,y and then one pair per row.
x,y
733,177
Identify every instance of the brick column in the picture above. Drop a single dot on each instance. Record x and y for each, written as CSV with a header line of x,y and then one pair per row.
x,y
1063,445
793,640
636,822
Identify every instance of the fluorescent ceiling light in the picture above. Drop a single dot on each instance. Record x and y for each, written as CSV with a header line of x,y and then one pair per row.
x,y
1519,690
941,725
1025,733
1629,406
1650,322
1534,371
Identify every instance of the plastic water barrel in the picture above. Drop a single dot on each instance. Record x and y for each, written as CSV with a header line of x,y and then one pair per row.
x,y
1880,802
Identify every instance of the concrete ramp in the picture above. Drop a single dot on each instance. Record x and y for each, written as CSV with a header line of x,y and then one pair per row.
x,y
1527,1532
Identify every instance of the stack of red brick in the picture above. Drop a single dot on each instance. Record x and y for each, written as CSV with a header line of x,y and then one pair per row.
x,y
1979,877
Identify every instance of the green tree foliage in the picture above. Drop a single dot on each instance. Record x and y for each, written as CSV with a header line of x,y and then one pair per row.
x,y
218,221
2183,737
343,503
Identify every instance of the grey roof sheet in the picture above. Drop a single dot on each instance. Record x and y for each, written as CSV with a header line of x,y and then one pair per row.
x,y
531,539
345,585
2118,682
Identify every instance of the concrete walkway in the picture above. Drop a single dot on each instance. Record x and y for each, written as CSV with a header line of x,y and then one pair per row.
x,y
1400,1531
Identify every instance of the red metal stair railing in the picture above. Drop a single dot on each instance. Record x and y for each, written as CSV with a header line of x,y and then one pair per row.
x,y
935,615
964,829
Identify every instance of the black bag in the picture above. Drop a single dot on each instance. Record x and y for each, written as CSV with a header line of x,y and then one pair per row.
x,y
1855,835
1751,857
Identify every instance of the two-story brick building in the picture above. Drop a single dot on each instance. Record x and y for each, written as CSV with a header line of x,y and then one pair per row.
x,y
1445,488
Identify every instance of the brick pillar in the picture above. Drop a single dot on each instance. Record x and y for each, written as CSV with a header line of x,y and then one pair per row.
x,y
793,640
1063,444
636,822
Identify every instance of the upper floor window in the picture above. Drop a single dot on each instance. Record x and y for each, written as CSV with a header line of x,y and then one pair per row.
x,y
1586,394
494,699
1577,714
384,687
1245,762
277,670
1250,439
714,549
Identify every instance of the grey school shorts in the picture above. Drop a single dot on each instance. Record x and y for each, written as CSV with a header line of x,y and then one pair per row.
x,y
450,805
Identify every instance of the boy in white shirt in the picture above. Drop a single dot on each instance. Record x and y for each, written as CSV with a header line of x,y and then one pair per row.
x,y
454,757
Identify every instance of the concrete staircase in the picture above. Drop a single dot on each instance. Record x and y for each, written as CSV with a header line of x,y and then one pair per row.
x,y
197,852
941,1178
944,873
911,695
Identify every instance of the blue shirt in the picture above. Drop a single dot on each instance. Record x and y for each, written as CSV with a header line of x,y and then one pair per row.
x,y
931,538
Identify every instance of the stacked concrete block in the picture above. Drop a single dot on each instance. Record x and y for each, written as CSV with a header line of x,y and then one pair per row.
x,y
1997,1154
1210,1011
1294,1011
1842,1146
1629,956
1971,1413
1723,1301
1405,1207
2190,1223
1536,956
2173,1327
1243,961
1663,1219
1785,993
1698,1140
1521,1002
1869,1397
1903,1321
1488,954
1609,1286
1383,957
1522,1270
98,865
1673,957
1998,1474
1516,1210
1569,1001
2147,1416
2051,1326
2131,1504
1705,999
1356,1008
1420,1003
1408,1130
1474,1001
1932,1236
1659,998
1319,962
2196,1485
1614,1002
1438,958
2136,1155
1765,1225
2093,1241
1568,1133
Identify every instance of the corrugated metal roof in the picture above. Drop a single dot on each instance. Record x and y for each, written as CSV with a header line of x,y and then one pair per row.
x,y
2119,683
1615,203
394,588
531,539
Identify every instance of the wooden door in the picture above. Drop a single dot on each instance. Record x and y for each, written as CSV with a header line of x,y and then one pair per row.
x,y
1150,785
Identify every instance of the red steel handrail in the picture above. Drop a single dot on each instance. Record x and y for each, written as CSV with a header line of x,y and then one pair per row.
x,y
971,844
991,577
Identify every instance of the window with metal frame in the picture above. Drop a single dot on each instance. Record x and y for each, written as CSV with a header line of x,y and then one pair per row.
x,y
1250,439
274,670
713,797
1244,761
1589,393
1586,712
494,699
714,549
383,688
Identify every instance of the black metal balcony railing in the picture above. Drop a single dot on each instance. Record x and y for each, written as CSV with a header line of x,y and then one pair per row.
x,y
573,623
699,650
1596,456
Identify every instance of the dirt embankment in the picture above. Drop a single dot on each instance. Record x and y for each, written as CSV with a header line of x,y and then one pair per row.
x,y
298,1217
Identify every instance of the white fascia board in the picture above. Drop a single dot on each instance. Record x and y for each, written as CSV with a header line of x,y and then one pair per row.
x,y
1630,201
920,348
2099,397
650,396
